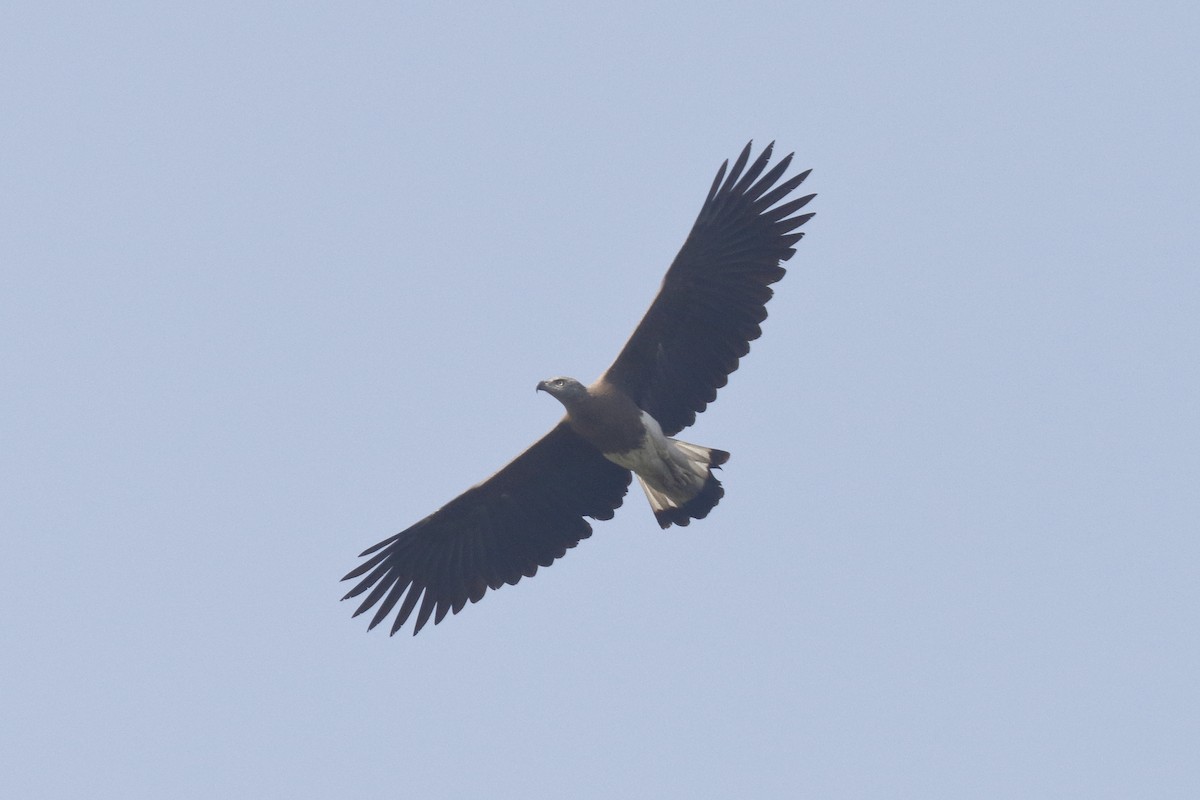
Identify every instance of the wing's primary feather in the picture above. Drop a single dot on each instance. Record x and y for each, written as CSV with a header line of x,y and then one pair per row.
x,y
714,296
526,515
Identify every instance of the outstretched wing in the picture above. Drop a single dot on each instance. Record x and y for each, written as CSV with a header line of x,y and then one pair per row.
x,y
714,295
523,517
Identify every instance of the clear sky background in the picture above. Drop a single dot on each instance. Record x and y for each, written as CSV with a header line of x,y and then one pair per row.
x,y
279,279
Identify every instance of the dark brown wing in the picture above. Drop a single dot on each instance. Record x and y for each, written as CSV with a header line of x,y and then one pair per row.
x,y
714,295
523,517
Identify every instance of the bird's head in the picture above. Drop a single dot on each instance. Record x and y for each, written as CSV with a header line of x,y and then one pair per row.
x,y
565,390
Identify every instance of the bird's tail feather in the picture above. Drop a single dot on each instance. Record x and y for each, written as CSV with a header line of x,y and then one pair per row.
x,y
676,510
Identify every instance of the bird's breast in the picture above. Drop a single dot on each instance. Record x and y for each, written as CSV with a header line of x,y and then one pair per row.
x,y
610,423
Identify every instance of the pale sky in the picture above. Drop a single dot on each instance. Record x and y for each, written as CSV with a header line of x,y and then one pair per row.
x,y
279,280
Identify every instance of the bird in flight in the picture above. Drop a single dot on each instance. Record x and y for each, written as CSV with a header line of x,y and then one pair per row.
x,y
532,511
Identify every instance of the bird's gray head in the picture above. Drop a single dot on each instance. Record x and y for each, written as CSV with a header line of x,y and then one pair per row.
x,y
565,390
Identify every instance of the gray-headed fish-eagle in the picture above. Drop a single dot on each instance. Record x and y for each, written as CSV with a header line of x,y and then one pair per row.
x,y
532,511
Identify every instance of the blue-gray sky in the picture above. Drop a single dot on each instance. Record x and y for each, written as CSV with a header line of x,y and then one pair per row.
x,y
279,279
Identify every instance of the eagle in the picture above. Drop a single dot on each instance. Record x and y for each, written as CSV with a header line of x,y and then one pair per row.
x,y
709,308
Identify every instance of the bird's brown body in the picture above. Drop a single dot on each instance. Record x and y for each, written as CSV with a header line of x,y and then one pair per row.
x,y
603,415
676,476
